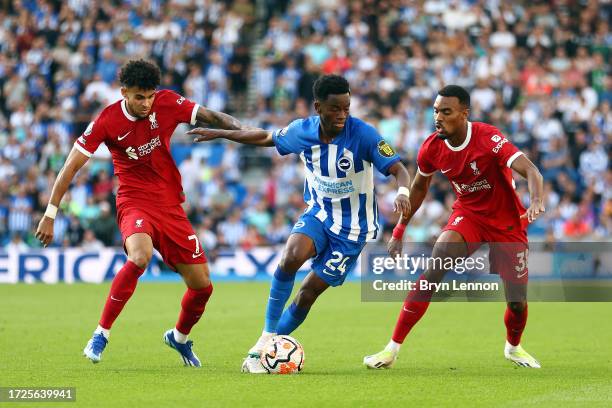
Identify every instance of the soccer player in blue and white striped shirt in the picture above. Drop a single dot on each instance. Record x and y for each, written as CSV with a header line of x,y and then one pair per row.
x,y
339,153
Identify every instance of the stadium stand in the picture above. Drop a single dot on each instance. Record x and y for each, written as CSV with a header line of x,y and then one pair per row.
x,y
534,70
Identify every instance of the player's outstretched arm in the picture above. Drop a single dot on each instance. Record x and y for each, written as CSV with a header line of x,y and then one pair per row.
x,y
535,183
74,162
402,178
216,119
256,137
418,191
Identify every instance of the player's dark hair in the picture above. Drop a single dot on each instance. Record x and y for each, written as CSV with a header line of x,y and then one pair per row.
x,y
140,74
458,92
330,85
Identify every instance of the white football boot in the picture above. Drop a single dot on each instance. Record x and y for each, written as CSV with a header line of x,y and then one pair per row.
x,y
252,362
520,357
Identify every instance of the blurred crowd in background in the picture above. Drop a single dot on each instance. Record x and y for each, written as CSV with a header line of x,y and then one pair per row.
x,y
538,70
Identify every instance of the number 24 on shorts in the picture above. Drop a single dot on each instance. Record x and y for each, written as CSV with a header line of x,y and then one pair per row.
x,y
338,261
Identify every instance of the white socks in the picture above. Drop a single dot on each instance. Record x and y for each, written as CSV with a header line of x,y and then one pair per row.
x,y
263,339
105,332
393,347
179,337
510,348
265,336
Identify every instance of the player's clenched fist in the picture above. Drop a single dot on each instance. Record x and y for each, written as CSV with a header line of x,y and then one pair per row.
x,y
44,232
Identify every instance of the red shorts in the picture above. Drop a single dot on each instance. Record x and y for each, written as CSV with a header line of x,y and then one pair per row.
x,y
508,250
171,232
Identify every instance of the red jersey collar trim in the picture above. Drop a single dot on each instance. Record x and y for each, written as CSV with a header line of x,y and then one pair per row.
x,y
126,113
465,142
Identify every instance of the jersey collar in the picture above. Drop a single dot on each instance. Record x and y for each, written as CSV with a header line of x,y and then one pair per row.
x,y
463,145
126,113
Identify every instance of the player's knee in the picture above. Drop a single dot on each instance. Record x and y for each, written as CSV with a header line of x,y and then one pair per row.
x,y
434,275
141,258
196,276
517,307
200,282
291,260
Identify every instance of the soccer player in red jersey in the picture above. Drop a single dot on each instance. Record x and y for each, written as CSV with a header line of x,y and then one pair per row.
x,y
478,161
137,131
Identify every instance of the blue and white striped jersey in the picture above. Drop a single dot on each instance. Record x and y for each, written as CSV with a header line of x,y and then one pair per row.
x,y
339,185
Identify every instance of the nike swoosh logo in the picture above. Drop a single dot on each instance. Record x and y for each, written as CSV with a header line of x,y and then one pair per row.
x,y
196,255
521,275
445,171
408,310
124,136
327,273
115,299
271,298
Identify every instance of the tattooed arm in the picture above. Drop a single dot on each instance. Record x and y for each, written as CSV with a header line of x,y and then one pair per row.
x,y
210,118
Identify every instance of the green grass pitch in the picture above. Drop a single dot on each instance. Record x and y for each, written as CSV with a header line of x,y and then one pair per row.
x,y
453,357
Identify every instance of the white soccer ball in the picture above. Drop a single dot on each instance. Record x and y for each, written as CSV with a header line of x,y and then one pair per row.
x,y
282,355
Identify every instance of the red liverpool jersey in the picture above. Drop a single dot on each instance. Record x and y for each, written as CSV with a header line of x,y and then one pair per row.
x,y
140,148
479,171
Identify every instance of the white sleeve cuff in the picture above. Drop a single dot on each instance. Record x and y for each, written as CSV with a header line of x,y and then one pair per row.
x,y
82,149
422,173
513,158
194,113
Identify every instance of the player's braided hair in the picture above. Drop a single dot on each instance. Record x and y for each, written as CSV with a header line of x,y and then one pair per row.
x,y
330,85
458,92
140,74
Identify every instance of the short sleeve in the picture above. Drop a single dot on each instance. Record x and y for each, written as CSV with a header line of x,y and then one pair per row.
x,y
504,152
185,110
287,140
91,138
380,153
424,165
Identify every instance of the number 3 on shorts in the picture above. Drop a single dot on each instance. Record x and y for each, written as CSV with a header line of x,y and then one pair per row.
x,y
338,261
522,259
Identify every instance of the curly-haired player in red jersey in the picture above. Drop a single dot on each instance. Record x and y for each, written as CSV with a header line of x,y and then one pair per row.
x,y
478,161
137,131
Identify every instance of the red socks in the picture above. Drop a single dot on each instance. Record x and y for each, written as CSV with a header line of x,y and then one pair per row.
x,y
515,324
416,305
121,290
192,307
123,286
414,308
